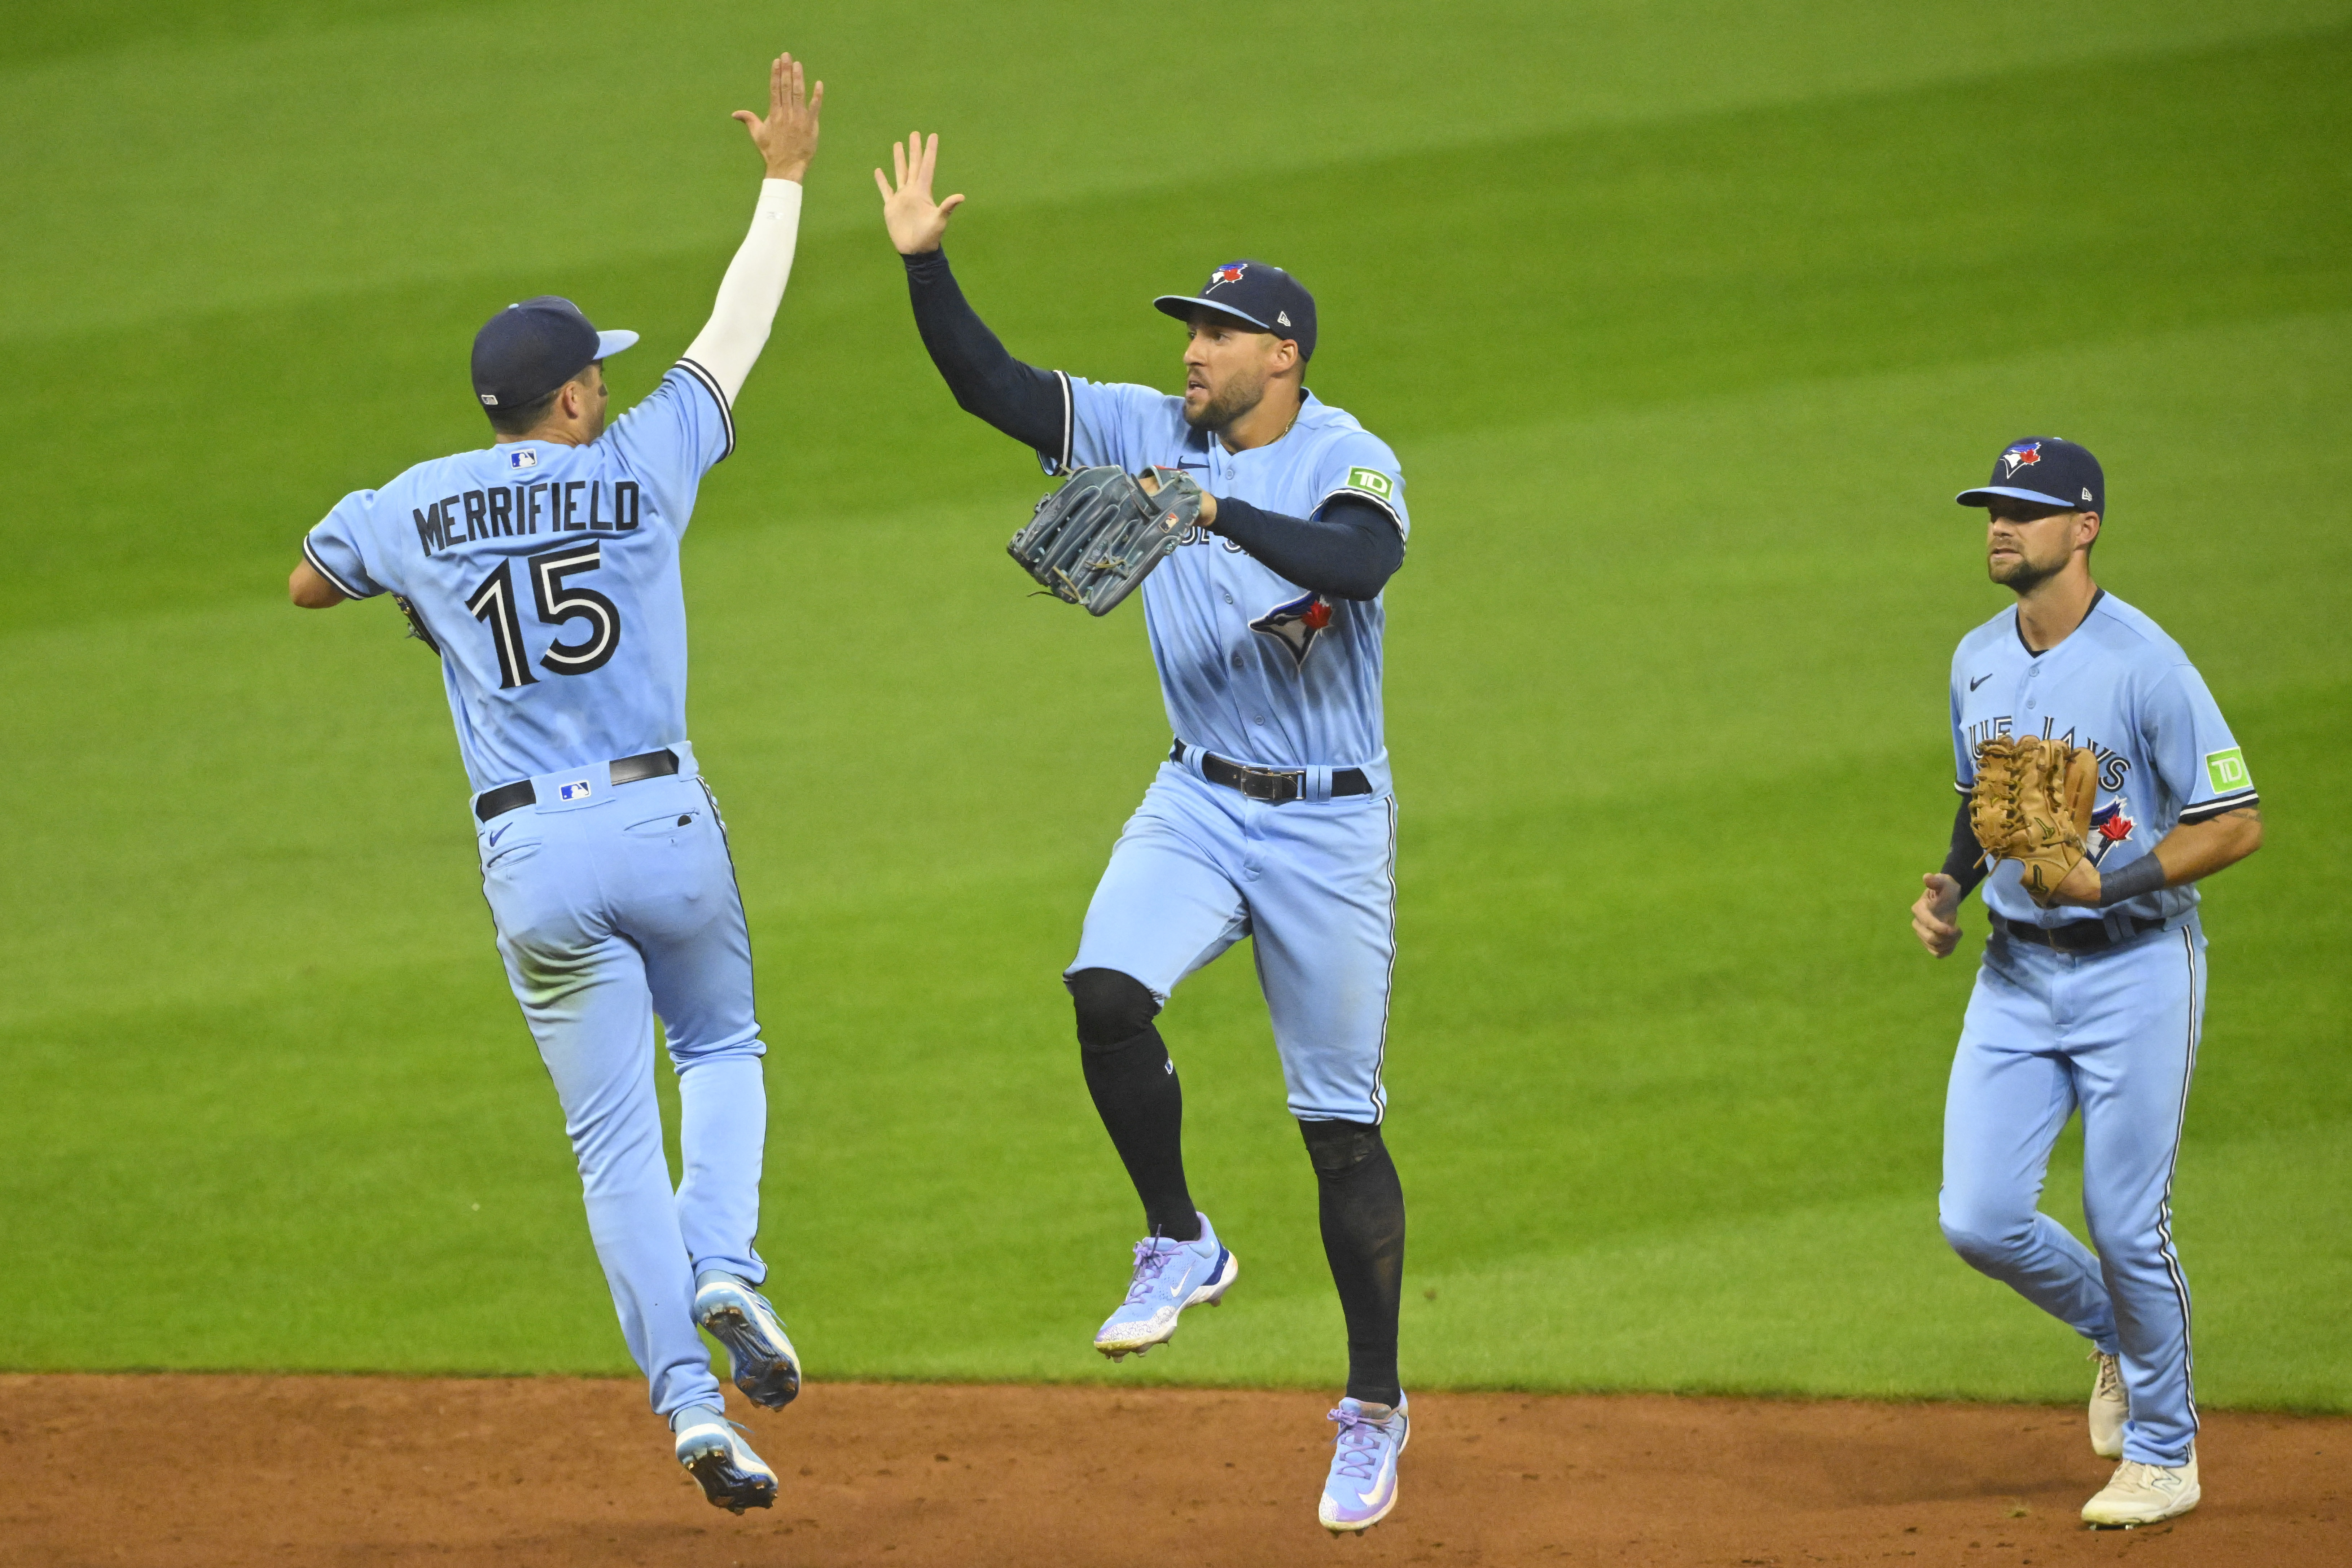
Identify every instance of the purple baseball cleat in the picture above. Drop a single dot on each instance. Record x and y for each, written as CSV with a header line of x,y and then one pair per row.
x,y
1169,1276
1362,1486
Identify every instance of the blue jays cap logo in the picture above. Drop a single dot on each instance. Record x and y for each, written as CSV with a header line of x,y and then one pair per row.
x,y
2024,455
1231,272
1295,624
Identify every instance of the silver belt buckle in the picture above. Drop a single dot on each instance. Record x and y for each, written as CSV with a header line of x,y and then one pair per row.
x,y
1268,785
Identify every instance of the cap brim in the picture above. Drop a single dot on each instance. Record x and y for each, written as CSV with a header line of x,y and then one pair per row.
x,y
610,344
1181,306
1983,495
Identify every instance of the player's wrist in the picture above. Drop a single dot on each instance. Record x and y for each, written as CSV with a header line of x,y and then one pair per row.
x,y
2143,876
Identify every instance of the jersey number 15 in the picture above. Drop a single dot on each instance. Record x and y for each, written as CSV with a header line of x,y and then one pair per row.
x,y
558,601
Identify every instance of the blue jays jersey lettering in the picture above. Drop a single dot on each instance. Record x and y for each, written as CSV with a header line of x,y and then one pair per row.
x,y
548,574
1251,667
2121,687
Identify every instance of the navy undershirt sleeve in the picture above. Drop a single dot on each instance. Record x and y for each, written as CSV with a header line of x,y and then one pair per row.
x,y
1021,400
1965,862
1349,553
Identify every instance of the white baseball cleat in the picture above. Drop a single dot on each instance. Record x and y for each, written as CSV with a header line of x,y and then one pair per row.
x,y
2110,1405
2143,1494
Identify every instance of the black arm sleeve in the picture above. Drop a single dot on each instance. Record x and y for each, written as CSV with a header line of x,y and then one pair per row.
x,y
1021,400
1350,553
1965,862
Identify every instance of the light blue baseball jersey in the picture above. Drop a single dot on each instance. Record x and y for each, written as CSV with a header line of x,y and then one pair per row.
x,y
2121,687
549,576
1252,665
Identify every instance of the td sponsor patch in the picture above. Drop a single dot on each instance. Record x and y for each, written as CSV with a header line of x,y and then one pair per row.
x,y
1372,482
2227,770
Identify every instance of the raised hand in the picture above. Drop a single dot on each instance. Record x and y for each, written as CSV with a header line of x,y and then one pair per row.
x,y
917,223
786,138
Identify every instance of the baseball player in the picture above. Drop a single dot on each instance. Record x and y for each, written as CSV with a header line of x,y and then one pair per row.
x,y
544,570
2093,1000
1271,817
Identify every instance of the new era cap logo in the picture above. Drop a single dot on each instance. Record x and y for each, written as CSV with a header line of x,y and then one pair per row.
x,y
2086,492
489,398
1282,317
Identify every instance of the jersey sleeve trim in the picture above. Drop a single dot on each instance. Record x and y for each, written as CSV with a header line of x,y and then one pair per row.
x,y
1354,493
1061,465
2206,810
726,415
323,570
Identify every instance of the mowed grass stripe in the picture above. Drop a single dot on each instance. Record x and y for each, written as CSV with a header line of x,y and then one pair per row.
x,y
301,167
1497,286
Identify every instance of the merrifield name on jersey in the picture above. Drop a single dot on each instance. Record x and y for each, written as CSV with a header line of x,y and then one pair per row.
x,y
504,511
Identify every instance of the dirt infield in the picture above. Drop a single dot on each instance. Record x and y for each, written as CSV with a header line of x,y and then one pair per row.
x,y
171,1471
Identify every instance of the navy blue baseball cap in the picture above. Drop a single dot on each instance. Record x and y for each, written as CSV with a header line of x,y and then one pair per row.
x,y
528,350
1265,296
2047,471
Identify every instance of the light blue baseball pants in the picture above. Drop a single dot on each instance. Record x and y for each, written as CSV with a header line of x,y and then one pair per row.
x,y
2113,1033
1313,884
607,915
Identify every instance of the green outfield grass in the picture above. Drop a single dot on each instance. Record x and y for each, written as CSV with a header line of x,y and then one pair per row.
x,y
1685,321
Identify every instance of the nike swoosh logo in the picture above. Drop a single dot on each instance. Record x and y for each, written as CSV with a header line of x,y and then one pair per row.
x,y
1980,680
502,833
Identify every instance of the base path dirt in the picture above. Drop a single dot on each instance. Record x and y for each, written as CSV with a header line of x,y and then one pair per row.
x,y
173,1472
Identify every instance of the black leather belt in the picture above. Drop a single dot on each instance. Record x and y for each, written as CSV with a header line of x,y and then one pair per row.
x,y
1275,786
497,801
2074,936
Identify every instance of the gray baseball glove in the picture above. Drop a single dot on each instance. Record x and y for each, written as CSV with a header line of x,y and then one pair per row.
x,y
1094,540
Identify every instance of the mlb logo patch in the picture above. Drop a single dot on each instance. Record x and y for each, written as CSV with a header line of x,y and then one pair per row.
x,y
578,789
522,458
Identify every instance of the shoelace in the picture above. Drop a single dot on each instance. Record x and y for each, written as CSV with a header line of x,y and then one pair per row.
x,y
2155,1477
1151,1262
2111,1376
1359,1444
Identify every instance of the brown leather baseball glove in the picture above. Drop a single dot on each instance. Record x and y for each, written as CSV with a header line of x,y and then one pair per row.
x,y
2032,804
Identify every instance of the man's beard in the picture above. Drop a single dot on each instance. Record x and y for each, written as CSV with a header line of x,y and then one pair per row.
x,y
2025,576
1226,406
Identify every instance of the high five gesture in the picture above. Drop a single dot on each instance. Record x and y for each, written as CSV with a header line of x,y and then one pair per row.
x,y
917,223
787,137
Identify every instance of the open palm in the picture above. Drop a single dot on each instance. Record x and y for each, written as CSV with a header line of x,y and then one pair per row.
x,y
917,223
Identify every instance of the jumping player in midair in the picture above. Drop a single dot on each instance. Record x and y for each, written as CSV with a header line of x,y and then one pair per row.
x,y
544,570
2096,1001
1272,817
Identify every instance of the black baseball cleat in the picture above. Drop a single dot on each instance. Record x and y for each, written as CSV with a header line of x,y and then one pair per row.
x,y
732,1476
760,1358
